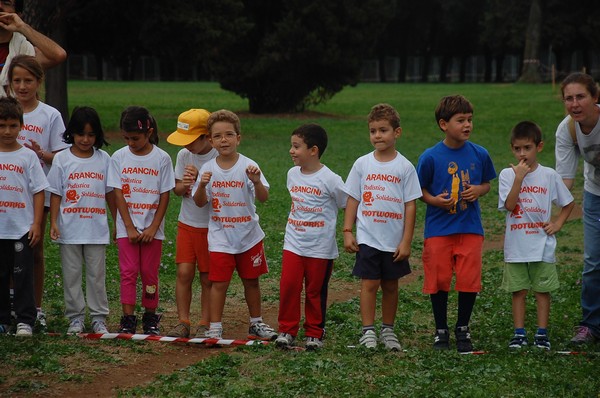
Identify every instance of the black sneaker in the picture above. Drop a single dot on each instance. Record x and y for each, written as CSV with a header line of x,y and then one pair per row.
x,y
518,341
542,341
128,324
463,339
441,340
150,323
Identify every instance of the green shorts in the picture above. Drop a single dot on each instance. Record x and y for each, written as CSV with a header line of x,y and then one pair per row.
x,y
540,277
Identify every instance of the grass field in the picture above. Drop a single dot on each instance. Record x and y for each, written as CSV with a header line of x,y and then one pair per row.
x,y
337,370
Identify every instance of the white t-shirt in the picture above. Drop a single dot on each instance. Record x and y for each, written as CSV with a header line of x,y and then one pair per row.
x,y
233,223
588,147
21,176
81,183
190,214
45,126
311,224
141,179
382,188
525,239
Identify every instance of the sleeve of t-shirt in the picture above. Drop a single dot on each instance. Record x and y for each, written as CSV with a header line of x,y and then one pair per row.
x,y
113,179
167,181
55,177
57,128
425,171
352,186
567,157
562,194
412,185
336,186
505,181
179,165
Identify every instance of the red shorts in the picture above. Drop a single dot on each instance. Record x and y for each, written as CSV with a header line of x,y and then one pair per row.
x,y
250,264
459,254
192,246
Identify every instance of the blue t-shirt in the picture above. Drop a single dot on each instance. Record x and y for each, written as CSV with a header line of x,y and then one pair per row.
x,y
443,169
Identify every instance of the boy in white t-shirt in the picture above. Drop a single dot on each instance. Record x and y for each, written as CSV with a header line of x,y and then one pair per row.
x,y
382,188
309,246
21,211
192,226
527,191
230,183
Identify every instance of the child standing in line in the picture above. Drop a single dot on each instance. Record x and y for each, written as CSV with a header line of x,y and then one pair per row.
x,y
192,226
230,183
78,220
21,210
309,246
42,133
142,177
382,188
527,191
453,174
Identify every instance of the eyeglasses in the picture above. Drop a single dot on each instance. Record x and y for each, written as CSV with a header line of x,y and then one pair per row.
x,y
571,99
227,136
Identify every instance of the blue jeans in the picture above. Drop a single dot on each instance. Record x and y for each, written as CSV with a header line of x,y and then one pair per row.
x,y
590,279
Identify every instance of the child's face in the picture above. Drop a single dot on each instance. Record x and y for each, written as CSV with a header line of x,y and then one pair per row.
x,y
138,142
24,84
224,138
9,131
301,154
458,128
200,145
84,141
526,150
383,136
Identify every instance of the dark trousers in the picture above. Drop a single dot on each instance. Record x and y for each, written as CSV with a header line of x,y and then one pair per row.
x,y
16,263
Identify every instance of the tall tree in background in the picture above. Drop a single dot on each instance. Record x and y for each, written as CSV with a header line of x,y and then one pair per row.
x,y
48,17
531,57
285,55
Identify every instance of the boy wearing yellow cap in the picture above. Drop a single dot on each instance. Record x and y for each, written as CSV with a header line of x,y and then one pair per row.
x,y
192,226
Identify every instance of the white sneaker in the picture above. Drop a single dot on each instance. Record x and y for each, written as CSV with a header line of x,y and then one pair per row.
x,y
76,326
285,340
214,333
368,339
389,339
24,329
99,326
313,343
41,320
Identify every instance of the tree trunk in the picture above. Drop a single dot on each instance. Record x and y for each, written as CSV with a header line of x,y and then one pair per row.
x,y
56,78
531,56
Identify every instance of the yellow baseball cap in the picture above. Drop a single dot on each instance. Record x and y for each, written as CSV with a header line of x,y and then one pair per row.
x,y
190,125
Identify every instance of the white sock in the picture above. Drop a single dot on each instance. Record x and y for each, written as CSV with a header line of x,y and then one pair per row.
x,y
216,325
255,320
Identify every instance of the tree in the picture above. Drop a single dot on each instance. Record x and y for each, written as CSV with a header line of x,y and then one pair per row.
x,y
531,56
285,55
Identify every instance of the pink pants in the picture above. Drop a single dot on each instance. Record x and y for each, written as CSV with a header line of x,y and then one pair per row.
x,y
139,259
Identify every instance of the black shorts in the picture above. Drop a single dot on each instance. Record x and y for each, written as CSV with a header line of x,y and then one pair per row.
x,y
372,263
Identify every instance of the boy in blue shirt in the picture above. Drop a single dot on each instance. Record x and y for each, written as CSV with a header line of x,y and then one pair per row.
x,y
453,174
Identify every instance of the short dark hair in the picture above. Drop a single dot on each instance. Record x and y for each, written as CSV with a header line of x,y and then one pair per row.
x,y
10,109
313,135
526,130
81,116
384,112
450,105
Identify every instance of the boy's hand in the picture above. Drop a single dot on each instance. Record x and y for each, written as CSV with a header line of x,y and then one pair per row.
x,y
350,244
471,193
34,235
521,169
205,179
551,227
443,202
54,232
402,251
189,177
253,173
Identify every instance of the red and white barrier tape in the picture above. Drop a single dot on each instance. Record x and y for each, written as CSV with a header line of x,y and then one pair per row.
x,y
164,339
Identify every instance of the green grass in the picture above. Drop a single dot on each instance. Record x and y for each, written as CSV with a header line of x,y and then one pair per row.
x,y
338,370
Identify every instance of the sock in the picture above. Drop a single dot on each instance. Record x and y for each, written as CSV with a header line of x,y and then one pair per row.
x,y
542,331
255,320
520,331
367,328
466,302
387,326
439,305
216,325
